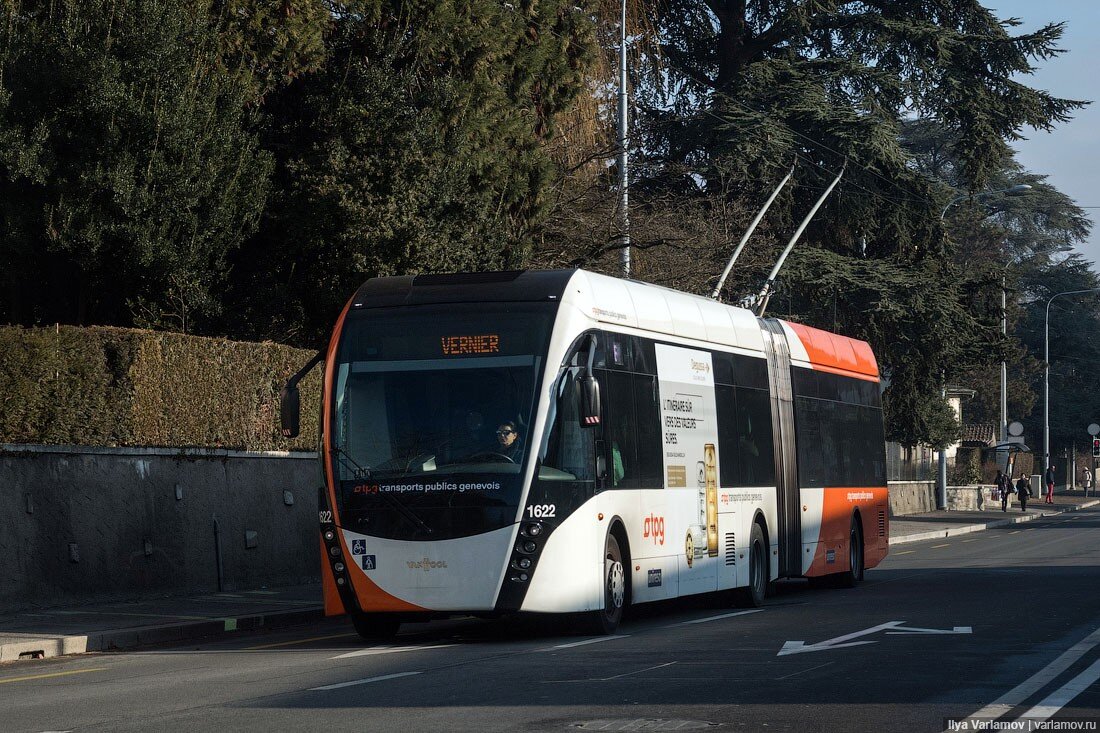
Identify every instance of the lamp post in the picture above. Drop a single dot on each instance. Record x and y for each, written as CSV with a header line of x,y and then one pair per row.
x,y
1046,371
1016,190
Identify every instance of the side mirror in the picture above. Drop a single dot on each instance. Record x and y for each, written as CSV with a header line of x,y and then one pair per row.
x,y
289,408
590,401
289,411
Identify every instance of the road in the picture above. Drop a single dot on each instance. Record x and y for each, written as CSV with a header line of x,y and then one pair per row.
x,y
1005,622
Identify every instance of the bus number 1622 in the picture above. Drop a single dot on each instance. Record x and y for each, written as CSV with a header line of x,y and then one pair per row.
x,y
539,511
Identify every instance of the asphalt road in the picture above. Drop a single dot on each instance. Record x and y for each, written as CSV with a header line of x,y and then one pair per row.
x,y
1003,623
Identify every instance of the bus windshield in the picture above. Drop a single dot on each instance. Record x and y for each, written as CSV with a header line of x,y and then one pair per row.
x,y
432,410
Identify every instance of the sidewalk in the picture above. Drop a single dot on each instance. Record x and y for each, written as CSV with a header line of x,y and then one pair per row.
x,y
51,632
931,525
104,626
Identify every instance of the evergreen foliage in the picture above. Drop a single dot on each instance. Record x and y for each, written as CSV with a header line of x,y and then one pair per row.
x,y
127,168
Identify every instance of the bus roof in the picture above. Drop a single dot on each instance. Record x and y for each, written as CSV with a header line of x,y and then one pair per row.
x,y
626,303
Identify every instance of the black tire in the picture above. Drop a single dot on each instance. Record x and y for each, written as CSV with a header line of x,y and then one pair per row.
x,y
753,596
606,620
854,574
375,626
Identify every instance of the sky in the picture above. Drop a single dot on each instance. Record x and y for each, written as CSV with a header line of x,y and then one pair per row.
x,y
1070,154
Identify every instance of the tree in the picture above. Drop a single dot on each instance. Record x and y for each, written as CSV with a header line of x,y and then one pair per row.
x,y
127,169
748,88
418,147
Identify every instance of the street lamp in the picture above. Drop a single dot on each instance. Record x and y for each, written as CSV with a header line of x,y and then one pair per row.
x,y
1016,190
1046,371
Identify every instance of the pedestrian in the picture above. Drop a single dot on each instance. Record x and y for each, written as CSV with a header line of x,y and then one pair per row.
x,y
1004,485
1023,491
1087,482
1048,479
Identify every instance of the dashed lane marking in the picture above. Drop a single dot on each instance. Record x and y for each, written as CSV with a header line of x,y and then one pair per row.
x,y
366,681
714,618
375,650
906,552
299,641
597,640
936,547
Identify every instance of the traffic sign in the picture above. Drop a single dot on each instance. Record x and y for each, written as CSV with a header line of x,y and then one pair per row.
x,y
1016,428
1094,429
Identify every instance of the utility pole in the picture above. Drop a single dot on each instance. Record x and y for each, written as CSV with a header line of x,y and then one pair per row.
x,y
624,173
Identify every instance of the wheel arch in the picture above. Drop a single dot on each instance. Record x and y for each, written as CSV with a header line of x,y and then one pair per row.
x,y
617,529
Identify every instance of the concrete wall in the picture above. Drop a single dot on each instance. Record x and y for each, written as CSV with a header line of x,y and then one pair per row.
x,y
911,497
78,524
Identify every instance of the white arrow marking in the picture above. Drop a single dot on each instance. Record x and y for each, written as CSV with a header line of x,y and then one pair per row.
x,y
799,647
915,630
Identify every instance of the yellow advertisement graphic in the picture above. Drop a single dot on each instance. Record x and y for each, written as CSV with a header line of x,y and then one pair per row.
x,y
711,480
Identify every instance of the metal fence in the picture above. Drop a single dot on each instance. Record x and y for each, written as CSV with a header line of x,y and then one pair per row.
x,y
909,464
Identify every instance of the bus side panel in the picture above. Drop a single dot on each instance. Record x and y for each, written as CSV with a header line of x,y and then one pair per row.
x,y
831,509
569,575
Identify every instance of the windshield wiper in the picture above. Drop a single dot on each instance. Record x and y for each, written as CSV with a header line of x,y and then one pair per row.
x,y
362,472
357,471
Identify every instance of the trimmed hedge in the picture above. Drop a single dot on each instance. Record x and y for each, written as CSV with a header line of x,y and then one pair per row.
x,y
116,386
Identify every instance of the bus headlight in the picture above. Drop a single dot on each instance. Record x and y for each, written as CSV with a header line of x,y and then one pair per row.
x,y
529,546
533,530
338,567
329,535
334,551
524,562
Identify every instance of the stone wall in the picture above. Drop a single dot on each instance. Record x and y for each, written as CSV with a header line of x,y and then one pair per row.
x,y
80,523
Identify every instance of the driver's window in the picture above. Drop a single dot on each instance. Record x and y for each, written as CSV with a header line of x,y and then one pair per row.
x,y
568,452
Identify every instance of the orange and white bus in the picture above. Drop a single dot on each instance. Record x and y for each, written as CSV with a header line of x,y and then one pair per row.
x,y
567,442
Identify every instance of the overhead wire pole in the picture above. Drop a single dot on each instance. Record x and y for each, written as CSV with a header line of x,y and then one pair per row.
x,y
748,233
624,174
766,292
1046,371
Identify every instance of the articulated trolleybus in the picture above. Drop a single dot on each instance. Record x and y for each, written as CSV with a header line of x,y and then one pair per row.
x,y
566,442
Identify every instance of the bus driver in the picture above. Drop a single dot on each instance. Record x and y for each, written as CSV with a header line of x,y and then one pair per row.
x,y
509,443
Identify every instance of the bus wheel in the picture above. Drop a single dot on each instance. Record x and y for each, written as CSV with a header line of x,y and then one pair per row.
x,y
753,596
855,557
375,626
606,620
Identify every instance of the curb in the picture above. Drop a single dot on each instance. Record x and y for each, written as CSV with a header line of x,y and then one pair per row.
x,y
967,529
41,647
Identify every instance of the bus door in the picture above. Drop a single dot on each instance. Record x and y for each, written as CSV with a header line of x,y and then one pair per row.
x,y
788,500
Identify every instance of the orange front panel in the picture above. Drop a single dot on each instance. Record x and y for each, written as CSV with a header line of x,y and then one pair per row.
x,y
333,605
838,507
370,596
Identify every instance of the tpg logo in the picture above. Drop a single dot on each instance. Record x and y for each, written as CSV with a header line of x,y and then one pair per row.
x,y
654,527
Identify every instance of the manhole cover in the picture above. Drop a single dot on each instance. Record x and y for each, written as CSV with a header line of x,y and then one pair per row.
x,y
646,724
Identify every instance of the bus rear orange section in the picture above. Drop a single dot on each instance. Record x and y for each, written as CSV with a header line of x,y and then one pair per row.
x,y
838,506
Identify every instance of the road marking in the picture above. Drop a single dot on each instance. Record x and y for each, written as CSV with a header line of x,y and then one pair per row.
x,y
52,674
298,641
906,552
965,541
627,674
366,681
1016,531
1040,679
714,618
597,640
936,547
1061,697
374,650
890,627
799,647
803,671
